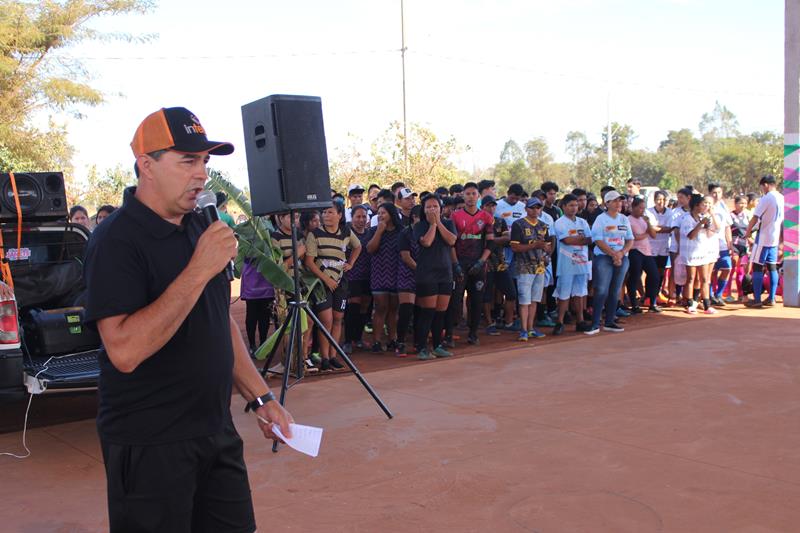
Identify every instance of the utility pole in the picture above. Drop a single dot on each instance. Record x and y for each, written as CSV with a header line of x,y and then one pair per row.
x,y
791,151
403,59
608,130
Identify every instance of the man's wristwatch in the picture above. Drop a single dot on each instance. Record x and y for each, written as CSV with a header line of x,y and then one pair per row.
x,y
260,401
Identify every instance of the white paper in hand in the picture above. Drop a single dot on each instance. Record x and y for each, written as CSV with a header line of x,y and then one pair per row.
x,y
305,439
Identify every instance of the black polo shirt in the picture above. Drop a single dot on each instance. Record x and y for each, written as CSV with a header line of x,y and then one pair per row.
x,y
182,391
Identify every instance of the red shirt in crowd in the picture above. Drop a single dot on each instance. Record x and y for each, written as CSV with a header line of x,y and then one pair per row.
x,y
472,230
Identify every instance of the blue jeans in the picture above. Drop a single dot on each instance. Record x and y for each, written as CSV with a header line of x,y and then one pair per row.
x,y
607,280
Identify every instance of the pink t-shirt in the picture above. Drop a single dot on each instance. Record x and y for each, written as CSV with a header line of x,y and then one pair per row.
x,y
639,226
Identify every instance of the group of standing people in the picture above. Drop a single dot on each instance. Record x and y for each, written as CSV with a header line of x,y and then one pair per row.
x,y
411,269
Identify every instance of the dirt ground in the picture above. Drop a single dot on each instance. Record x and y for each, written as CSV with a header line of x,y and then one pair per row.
x,y
678,424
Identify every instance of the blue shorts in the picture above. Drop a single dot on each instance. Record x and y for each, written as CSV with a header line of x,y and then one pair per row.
x,y
724,261
569,286
530,288
765,255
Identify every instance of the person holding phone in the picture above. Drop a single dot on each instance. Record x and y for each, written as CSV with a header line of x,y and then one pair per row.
x,y
698,242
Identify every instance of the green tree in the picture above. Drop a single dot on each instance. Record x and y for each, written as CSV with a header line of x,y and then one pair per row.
x,y
36,77
622,136
506,173
539,158
738,163
430,161
511,152
721,123
616,173
685,158
578,147
647,166
105,189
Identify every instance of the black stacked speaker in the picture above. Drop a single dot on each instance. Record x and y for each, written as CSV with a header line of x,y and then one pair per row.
x,y
287,160
41,196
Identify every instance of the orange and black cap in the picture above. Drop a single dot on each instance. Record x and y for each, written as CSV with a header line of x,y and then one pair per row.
x,y
175,128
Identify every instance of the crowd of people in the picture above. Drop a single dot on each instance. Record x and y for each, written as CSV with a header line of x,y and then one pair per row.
x,y
414,269
411,269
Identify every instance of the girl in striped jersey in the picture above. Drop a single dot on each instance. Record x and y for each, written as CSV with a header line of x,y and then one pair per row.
x,y
326,258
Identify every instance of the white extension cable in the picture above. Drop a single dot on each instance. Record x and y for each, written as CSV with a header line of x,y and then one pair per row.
x,y
27,411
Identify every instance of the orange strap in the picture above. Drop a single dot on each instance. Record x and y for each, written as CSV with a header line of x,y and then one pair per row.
x,y
5,268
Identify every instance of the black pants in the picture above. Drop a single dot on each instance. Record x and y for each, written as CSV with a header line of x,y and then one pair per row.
x,y
474,286
196,485
638,263
258,313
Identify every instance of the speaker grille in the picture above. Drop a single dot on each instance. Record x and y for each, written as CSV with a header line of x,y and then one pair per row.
x,y
41,196
29,191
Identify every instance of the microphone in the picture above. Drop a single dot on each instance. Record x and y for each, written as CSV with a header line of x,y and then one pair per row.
x,y
207,202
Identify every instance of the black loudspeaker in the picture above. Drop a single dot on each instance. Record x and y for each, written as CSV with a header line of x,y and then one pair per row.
x,y
41,196
287,160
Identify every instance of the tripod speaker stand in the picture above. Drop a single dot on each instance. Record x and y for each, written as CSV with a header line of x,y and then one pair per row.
x,y
295,343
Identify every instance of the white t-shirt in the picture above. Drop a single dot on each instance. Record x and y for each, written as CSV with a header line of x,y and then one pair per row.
x,y
723,217
660,244
510,213
697,251
770,212
677,217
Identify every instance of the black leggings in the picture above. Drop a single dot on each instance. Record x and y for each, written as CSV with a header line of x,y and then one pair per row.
x,y
258,314
647,263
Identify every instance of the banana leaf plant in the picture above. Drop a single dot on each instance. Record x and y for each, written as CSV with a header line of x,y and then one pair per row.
x,y
255,245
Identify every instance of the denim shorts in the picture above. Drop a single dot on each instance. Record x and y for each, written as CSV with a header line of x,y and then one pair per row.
x,y
530,288
569,286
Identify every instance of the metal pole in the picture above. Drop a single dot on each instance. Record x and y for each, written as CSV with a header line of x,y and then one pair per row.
x,y
791,151
403,59
608,129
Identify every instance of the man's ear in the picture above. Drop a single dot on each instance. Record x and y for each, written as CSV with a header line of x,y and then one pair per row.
x,y
144,163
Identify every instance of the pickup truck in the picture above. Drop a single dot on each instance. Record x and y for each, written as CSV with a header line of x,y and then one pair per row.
x,y
44,345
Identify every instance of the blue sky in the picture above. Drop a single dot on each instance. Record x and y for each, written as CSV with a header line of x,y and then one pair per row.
x,y
483,71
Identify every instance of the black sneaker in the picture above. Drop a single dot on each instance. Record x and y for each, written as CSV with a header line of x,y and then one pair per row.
x,y
616,328
636,310
768,303
473,340
391,346
582,327
336,364
655,309
559,329
377,348
325,365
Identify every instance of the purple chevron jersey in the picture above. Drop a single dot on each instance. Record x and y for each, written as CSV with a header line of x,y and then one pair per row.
x,y
383,270
360,270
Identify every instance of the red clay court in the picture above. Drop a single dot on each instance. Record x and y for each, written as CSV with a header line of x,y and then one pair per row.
x,y
677,424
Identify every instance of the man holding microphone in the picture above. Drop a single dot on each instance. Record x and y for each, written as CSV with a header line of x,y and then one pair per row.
x,y
158,296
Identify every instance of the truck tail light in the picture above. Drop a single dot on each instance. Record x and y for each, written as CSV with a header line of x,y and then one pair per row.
x,y
9,327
